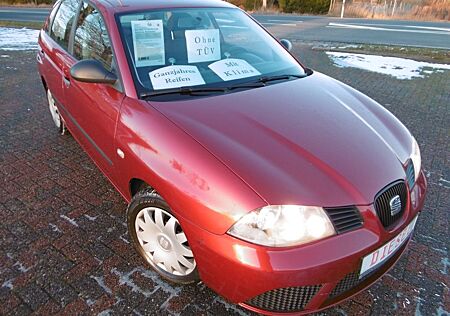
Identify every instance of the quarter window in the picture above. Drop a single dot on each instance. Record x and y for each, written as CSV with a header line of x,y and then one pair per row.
x,y
62,25
91,37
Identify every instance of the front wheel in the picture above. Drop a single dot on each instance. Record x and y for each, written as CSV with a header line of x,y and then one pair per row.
x,y
159,238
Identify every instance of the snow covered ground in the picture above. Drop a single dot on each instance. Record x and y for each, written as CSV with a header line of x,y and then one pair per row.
x,y
18,39
399,68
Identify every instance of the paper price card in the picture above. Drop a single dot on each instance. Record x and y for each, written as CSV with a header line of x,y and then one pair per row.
x,y
232,69
175,76
202,45
148,43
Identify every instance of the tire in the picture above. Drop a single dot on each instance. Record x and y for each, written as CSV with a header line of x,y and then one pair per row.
x,y
159,239
54,111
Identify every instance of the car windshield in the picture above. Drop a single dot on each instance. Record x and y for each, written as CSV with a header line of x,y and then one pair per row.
x,y
201,49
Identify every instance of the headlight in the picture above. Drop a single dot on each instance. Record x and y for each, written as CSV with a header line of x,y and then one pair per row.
x,y
283,225
416,159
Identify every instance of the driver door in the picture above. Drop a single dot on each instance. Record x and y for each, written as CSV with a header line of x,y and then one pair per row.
x,y
94,108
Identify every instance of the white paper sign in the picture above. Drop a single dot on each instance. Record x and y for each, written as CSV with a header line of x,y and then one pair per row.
x,y
232,69
175,76
148,43
202,45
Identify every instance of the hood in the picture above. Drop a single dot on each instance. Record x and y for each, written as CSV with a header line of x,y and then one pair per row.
x,y
312,141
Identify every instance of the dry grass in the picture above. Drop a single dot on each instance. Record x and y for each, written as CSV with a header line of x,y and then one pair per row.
x,y
20,24
24,5
425,10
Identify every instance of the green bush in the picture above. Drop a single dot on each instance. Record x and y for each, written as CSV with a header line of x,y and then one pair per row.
x,y
305,6
252,4
282,4
247,4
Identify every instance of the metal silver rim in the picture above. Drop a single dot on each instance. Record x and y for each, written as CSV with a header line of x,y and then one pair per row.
x,y
53,109
164,242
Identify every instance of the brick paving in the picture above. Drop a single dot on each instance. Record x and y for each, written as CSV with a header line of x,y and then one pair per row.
x,y
64,246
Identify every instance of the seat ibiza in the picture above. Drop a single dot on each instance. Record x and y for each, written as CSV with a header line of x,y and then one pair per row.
x,y
282,189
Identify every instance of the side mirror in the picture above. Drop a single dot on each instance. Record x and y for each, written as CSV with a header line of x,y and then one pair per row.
x,y
287,44
92,71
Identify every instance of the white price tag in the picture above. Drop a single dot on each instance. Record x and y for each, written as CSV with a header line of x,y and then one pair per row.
x,y
175,76
148,43
202,45
231,69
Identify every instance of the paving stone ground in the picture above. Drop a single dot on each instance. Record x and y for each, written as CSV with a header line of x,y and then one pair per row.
x,y
64,246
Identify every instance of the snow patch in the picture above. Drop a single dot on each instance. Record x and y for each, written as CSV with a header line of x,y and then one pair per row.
x,y
101,282
8,284
21,267
18,39
400,68
71,221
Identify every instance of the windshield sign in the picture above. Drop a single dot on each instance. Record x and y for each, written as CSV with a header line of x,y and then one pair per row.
x,y
189,47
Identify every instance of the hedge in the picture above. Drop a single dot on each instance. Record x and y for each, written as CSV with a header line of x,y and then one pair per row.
x,y
288,6
305,6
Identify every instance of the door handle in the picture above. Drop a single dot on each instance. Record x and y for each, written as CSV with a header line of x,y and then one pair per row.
x,y
40,55
66,81
66,77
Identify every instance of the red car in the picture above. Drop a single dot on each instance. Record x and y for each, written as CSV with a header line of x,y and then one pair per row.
x,y
282,189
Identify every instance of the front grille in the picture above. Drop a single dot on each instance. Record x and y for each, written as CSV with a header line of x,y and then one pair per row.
x,y
410,174
345,219
383,199
289,299
350,281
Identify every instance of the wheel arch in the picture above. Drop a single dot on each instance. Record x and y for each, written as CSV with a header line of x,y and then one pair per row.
x,y
135,185
44,83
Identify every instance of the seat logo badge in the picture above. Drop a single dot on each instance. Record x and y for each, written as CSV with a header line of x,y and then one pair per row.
x,y
395,205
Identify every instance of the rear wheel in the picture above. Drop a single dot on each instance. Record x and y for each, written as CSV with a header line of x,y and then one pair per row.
x,y
54,111
159,238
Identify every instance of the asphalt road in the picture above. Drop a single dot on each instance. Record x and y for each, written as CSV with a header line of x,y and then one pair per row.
x,y
23,14
319,28
361,31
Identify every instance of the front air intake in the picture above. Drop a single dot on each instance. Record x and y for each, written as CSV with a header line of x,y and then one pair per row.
x,y
289,299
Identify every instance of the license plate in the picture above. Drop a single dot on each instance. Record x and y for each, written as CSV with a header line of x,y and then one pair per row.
x,y
379,256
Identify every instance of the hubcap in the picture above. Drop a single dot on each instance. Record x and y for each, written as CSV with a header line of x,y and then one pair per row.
x,y
164,242
53,109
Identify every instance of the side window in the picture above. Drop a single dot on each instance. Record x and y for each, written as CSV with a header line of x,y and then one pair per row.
x,y
51,17
91,38
62,25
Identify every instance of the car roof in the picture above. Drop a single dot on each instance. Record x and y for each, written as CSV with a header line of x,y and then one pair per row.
x,y
137,5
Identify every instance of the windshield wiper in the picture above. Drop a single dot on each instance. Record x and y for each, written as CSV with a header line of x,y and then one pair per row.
x,y
280,77
246,85
183,91
261,82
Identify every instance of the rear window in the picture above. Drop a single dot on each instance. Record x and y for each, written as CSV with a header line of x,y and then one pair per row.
x,y
63,22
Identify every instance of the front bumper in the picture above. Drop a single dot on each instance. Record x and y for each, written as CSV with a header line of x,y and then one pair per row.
x,y
298,279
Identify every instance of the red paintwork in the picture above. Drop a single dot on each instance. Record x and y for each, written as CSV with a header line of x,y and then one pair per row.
x,y
215,159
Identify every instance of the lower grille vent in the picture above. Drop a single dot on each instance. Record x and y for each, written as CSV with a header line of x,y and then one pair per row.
x,y
345,219
350,281
289,299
